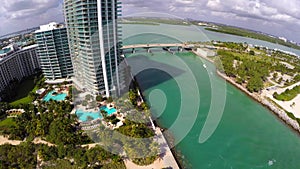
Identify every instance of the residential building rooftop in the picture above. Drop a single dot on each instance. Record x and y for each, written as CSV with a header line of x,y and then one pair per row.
x,y
49,27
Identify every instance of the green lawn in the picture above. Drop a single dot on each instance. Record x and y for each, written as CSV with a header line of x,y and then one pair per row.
x,y
23,91
24,100
6,124
288,94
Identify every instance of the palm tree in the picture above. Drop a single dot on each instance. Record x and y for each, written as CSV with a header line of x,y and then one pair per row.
x,y
88,97
84,103
104,114
109,99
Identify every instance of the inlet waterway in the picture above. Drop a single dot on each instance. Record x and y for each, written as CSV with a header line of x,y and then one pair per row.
x,y
248,136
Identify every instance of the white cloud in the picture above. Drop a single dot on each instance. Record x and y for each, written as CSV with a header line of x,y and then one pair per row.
x,y
257,14
214,4
21,14
264,15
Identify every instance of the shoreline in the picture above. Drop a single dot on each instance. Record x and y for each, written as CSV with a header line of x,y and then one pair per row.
x,y
158,130
280,113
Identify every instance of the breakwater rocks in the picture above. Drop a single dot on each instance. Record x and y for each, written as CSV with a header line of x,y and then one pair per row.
x,y
277,111
282,115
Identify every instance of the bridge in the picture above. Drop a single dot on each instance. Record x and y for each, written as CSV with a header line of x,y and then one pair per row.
x,y
153,45
165,46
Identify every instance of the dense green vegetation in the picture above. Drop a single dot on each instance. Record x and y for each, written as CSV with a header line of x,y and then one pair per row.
x,y
251,34
246,70
22,156
96,157
145,147
136,130
6,124
288,94
50,120
252,67
25,156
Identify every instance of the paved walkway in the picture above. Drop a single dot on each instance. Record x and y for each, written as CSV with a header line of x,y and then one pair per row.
x,y
287,105
4,140
37,140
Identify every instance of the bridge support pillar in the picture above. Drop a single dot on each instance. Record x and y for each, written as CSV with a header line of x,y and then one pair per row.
x,y
148,50
133,50
180,49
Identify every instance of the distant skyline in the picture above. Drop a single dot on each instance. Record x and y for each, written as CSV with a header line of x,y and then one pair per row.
x,y
276,17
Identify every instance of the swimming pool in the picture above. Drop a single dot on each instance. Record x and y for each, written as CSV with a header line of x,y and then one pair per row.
x,y
83,115
109,111
58,97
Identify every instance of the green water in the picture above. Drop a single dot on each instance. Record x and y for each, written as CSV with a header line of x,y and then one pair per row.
x,y
248,135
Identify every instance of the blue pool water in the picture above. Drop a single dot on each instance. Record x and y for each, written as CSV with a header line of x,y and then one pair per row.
x,y
109,111
83,115
58,97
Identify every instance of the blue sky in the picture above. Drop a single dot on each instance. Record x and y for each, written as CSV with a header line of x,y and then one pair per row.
x,y
278,17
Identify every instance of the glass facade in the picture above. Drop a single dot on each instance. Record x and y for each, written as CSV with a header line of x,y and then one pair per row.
x,y
54,54
94,44
17,65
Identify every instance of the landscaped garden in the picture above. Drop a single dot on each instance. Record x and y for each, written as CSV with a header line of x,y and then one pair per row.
x,y
50,120
6,124
288,94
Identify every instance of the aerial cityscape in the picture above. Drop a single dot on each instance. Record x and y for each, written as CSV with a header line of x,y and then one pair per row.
x,y
118,84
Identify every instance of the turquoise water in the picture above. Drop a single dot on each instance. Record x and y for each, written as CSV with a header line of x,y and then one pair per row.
x,y
83,115
58,97
248,136
109,111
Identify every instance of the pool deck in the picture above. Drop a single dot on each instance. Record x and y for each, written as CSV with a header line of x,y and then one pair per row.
x,y
87,110
64,93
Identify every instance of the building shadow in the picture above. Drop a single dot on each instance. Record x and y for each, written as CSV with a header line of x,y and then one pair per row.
x,y
150,73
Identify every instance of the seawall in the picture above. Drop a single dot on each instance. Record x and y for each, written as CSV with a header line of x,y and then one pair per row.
x,y
263,101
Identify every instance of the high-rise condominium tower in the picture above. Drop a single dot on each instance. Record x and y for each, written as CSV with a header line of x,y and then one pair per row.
x,y
94,44
53,51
